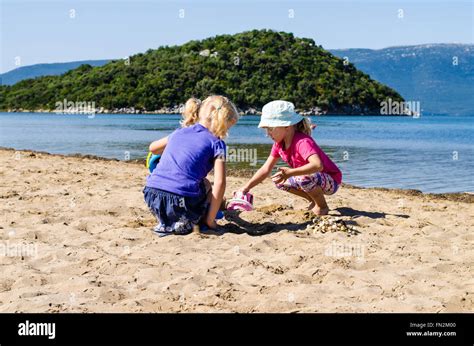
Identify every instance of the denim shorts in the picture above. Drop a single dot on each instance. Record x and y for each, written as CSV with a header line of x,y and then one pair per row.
x,y
175,214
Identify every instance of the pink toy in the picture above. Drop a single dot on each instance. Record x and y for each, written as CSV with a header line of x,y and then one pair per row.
x,y
241,202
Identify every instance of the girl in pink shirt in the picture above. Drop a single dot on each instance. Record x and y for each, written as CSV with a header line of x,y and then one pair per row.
x,y
311,174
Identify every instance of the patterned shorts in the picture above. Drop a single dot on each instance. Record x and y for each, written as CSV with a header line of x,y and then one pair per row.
x,y
307,183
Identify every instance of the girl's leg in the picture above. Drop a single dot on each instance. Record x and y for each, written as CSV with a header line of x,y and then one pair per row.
x,y
208,187
304,195
291,187
316,186
317,195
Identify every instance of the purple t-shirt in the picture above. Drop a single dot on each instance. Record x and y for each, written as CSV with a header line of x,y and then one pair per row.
x,y
188,158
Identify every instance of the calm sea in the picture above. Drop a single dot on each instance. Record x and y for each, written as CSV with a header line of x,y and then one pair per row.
x,y
429,153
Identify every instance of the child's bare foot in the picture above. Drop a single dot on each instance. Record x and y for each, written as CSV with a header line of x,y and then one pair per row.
x,y
311,205
320,211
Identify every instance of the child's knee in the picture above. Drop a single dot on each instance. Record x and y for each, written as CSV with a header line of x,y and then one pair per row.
x,y
207,184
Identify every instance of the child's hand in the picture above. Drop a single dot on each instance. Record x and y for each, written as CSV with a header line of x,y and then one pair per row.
x,y
212,224
277,179
243,190
282,174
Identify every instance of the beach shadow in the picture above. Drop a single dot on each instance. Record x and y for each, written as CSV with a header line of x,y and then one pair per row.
x,y
239,226
345,211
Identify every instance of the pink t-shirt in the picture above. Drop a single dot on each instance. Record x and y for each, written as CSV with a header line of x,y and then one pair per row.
x,y
302,147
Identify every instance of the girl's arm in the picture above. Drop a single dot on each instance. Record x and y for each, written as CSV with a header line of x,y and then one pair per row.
x,y
314,165
261,174
157,147
218,189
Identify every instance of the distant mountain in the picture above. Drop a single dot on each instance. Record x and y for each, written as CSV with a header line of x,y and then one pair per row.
x,y
427,73
38,70
251,68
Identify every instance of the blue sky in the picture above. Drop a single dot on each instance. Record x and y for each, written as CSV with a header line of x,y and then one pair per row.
x,y
43,31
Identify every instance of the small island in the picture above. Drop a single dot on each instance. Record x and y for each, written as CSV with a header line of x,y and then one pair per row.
x,y
251,68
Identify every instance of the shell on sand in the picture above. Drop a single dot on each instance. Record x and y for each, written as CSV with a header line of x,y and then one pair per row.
x,y
329,223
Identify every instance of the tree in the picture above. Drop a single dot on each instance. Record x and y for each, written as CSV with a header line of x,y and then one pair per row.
x,y
270,65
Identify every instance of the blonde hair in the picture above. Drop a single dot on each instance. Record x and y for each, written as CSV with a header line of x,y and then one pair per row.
x,y
191,112
220,116
303,126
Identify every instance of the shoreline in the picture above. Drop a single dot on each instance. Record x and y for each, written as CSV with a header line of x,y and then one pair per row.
x,y
466,197
312,112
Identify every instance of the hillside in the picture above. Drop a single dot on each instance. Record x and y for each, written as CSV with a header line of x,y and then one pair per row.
x,y
425,73
251,68
39,70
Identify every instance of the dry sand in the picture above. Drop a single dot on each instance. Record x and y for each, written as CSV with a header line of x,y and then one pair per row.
x,y
76,236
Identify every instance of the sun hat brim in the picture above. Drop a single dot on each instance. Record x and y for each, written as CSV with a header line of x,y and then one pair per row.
x,y
279,113
279,120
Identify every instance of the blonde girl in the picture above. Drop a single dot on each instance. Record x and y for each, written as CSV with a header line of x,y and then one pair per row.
x,y
177,191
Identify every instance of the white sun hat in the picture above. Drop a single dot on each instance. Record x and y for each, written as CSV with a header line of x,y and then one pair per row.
x,y
279,114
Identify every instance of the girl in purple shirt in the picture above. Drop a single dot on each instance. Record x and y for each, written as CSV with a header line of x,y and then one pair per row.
x,y
177,191
311,174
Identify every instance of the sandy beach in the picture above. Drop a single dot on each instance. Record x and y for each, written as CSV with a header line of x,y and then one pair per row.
x,y
76,236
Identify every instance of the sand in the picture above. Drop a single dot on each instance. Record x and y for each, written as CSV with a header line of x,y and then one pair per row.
x,y
76,236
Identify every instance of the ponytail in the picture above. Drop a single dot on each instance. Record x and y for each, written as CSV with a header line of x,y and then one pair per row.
x,y
222,113
304,126
191,112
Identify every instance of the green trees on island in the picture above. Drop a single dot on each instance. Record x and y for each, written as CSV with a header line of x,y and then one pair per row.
x,y
251,68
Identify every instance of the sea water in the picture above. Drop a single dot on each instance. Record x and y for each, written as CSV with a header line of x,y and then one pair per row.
x,y
430,153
